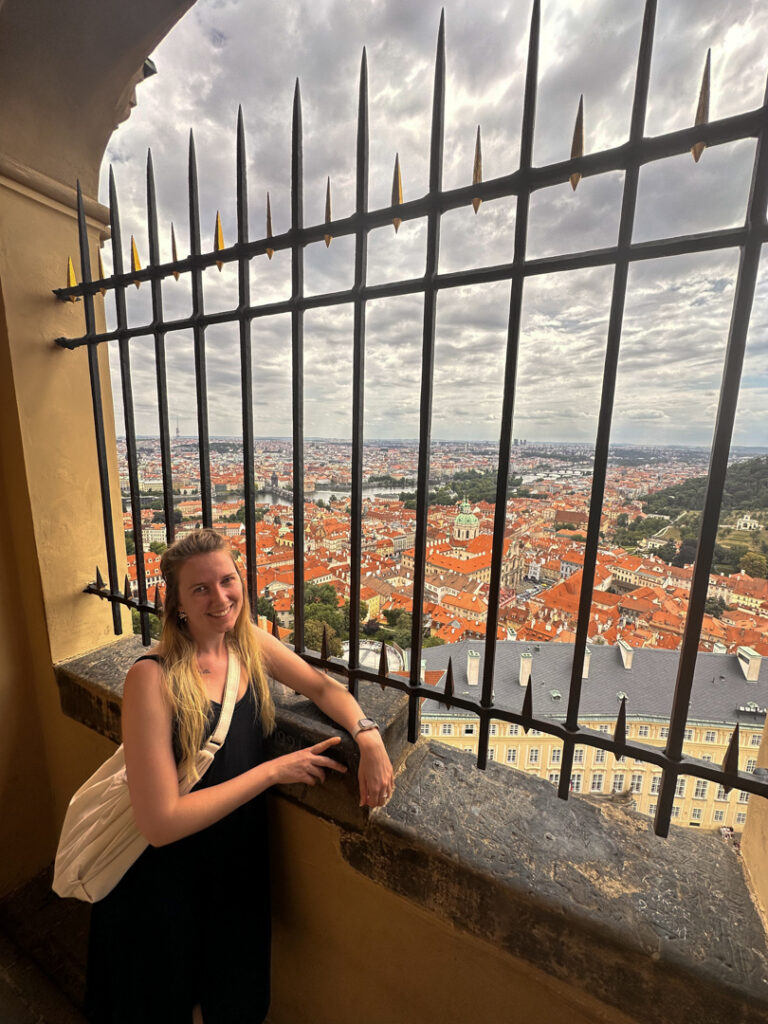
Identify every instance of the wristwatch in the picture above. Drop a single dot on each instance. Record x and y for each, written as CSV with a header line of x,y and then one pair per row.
x,y
364,725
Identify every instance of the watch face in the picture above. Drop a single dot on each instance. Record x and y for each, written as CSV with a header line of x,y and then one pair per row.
x,y
366,723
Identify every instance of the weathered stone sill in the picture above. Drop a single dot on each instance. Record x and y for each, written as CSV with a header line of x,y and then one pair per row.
x,y
663,930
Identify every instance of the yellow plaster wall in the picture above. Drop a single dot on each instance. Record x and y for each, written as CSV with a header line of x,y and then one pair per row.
x,y
347,950
754,842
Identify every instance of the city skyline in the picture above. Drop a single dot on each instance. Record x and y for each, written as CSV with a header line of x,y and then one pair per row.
x,y
677,310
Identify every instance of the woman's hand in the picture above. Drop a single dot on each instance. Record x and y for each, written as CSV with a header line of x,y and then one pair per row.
x,y
307,765
375,774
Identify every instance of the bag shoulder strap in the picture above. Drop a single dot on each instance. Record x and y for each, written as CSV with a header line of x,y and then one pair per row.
x,y
231,686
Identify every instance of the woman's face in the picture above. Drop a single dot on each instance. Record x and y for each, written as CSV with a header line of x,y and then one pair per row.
x,y
210,593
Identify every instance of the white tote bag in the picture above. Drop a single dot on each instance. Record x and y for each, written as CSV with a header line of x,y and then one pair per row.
x,y
99,838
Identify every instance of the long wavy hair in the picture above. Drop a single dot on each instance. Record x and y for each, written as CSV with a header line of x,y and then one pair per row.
x,y
185,690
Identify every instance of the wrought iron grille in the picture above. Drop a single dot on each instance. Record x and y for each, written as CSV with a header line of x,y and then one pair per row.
x,y
629,157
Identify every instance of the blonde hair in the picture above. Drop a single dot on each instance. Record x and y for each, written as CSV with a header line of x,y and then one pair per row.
x,y
184,687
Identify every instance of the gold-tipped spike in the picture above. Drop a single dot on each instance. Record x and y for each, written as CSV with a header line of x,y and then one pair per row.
x,y
218,240
100,584
731,760
448,690
71,279
158,601
127,589
274,630
270,252
135,263
577,146
620,732
324,644
174,252
383,664
397,190
528,705
328,238
102,275
702,110
477,170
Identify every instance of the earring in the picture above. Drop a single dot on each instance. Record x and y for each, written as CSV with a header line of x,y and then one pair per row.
x,y
182,617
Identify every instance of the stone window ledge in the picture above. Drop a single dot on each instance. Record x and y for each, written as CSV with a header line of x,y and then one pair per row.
x,y
662,929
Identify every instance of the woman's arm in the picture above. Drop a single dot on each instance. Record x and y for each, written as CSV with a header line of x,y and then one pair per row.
x,y
375,775
161,814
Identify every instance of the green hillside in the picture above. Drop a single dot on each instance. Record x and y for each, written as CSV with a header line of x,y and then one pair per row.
x,y
746,488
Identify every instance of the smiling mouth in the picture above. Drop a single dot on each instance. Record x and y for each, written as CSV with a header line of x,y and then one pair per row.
x,y
220,615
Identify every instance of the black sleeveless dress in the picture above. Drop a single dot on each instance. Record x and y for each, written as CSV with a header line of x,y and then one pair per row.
x,y
190,922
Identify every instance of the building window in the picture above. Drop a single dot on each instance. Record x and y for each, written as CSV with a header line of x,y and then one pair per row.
x,y
643,730
700,789
743,797
675,812
533,755
576,782
578,755
741,818
470,749
755,741
664,732
655,784
603,728
706,757
555,754
718,815
688,734
514,730
680,787
446,729
469,729
491,753
494,729
651,808
554,778
599,757
535,732
710,736
618,782
721,794
511,755
636,783
696,813
596,785
751,764
620,760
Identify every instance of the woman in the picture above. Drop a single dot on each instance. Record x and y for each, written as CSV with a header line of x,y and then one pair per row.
x,y
188,925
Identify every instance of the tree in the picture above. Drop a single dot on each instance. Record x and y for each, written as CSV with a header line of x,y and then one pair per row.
x,y
158,516
154,624
687,553
158,547
320,593
715,606
313,637
754,564
432,641
265,607
622,520
130,547
320,612
668,552
345,614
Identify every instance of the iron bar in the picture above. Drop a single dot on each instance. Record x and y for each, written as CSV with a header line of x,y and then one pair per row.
x,y
98,411
128,415
749,263
198,329
246,367
610,369
159,339
427,373
358,376
510,383
297,369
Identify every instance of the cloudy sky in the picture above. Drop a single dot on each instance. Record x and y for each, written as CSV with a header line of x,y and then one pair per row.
x,y
230,52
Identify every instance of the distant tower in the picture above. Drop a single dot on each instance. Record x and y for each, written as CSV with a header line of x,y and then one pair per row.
x,y
466,524
177,428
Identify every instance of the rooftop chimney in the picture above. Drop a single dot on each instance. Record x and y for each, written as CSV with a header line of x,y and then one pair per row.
x,y
473,667
423,670
718,648
749,663
587,657
627,654
526,661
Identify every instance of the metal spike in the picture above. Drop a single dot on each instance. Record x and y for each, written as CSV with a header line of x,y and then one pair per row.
x,y
135,263
620,732
328,238
397,190
100,584
270,252
577,146
702,110
731,760
324,644
477,170
528,704
127,588
218,240
275,630
383,664
71,279
158,601
448,690
102,275
174,252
